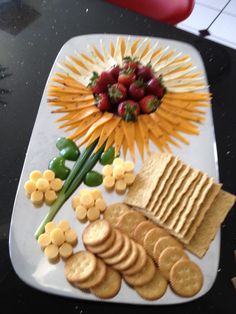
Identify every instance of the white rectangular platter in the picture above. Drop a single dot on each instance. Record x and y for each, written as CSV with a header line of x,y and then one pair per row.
x,y
29,261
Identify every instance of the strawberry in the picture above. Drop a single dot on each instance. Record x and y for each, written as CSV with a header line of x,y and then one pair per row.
x,y
155,87
129,110
126,77
144,72
103,102
99,83
114,71
149,103
117,93
137,90
129,63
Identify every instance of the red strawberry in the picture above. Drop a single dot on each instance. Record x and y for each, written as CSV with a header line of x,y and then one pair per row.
x,y
117,93
144,72
154,87
137,90
99,83
114,71
103,102
129,110
129,63
149,103
126,77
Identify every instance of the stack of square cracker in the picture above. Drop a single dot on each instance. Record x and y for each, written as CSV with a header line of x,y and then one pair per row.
x,y
183,200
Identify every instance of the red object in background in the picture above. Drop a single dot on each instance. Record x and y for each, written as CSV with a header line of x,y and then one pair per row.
x,y
168,11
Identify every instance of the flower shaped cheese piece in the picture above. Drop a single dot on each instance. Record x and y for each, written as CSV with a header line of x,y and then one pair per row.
x,y
58,241
89,204
42,187
119,175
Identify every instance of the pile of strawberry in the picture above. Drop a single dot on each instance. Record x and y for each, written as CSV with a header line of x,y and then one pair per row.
x,y
128,91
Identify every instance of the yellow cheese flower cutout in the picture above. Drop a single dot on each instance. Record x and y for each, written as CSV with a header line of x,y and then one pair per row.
x,y
178,113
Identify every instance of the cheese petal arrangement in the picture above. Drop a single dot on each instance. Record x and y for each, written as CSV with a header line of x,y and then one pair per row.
x,y
128,94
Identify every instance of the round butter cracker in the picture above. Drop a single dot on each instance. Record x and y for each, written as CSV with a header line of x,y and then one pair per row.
x,y
144,276
110,285
122,254
151,239
139,263
129,221
96,232
96,278
114,211
162,244
186,278
116,246
141,230
129,260
155,288
80,266
100,248
168,258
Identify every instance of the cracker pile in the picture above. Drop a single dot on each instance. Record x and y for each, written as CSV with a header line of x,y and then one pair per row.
x,y
124,255
146,272
166,252
183,200
85,271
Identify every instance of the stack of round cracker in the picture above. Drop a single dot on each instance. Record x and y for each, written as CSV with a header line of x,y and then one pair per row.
x,y
85,271
125,255
165,250
126,244
185,277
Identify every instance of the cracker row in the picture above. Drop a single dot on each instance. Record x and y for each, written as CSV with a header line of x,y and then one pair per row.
x,y
132,261
122,255
180,199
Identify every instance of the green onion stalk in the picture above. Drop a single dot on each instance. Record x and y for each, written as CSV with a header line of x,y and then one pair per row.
x,y
82,166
